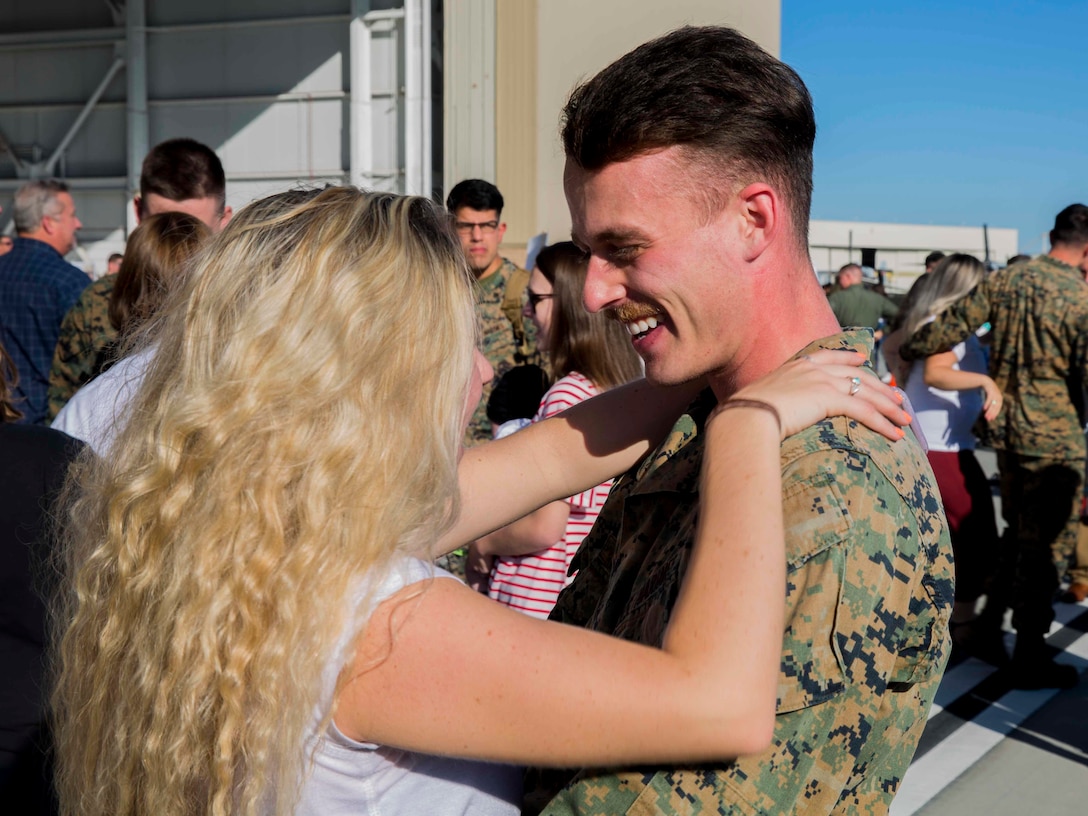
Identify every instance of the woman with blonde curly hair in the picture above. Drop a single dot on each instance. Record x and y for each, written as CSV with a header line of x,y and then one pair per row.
x,y
251,624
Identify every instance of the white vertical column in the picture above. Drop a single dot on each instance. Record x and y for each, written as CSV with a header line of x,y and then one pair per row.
x,y
136,97
360,116
417,97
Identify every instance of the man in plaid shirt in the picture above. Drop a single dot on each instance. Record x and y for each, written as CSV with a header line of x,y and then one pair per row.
x,y
37,287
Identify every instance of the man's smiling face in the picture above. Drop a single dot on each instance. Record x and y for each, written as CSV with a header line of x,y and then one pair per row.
x,y
660,263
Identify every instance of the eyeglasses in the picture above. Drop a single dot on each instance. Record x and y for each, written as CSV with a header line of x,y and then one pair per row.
x,y
467,227
534,298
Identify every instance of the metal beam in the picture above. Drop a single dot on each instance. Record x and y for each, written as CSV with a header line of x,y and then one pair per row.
x,y
51,163
136,124
76,38
219,25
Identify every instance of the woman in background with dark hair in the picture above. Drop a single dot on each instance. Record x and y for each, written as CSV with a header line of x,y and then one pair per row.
x,y
587,354
33,463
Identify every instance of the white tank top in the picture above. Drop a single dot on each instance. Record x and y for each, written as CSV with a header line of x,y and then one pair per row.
x,y
349,778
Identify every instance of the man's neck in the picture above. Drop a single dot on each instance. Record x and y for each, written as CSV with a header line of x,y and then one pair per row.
x,y
793,313
41,239
1071,256
492,268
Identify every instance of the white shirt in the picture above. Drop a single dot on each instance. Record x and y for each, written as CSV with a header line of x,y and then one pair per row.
x,y
946,417
98,410
349,778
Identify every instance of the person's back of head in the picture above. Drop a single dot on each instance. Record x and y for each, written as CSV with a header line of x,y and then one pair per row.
x,y
181,170
1071,227
932,259
1069,238
158,253
738,114
849,275
594,345
951,279
476,194
297,432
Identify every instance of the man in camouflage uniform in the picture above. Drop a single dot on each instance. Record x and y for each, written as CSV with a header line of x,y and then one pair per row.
x,y
506,339
178,175
689,172
1039,360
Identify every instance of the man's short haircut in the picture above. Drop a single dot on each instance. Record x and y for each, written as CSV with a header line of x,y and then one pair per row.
x,y
741,114
116,256
35,200
933,258
181,169
849,271
476,194
1071,226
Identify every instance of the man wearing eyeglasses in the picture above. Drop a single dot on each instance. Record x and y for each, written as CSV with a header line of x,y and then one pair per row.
x,y
506,339
37,287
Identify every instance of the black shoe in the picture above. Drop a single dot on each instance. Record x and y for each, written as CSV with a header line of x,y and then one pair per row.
x,y
1041,674
979,639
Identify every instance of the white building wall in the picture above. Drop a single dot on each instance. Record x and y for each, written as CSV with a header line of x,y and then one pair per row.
x,y
901,249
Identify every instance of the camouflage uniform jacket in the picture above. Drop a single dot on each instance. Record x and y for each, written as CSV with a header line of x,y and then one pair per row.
x,y
86,337
1039,355
868,594
497,342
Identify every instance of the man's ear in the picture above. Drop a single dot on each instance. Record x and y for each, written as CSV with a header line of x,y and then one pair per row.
x,y
501,230
228,213
136,202
761,216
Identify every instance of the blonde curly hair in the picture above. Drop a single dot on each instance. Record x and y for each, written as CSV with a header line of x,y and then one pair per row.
x,y
297,431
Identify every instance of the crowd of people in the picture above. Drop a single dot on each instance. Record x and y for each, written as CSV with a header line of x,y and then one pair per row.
x,y
298,559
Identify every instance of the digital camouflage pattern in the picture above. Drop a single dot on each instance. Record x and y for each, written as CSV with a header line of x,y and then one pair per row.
x,y
1040,501
86,337
498,343
868,595
1038,311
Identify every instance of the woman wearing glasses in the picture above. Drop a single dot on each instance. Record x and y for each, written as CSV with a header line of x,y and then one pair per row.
x,y
587,354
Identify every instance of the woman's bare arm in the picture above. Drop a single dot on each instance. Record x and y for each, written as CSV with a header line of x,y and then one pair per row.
x,y
445,670
583,446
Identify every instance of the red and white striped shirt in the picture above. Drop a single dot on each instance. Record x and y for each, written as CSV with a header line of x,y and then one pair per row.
x,y
531,583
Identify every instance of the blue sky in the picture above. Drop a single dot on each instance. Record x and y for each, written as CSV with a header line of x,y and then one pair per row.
x,y
952,113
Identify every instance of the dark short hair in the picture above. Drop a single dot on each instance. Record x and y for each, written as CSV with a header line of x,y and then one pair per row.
x,y
1071,226
741,113
116,256
476,194
517,394
934,257
180,169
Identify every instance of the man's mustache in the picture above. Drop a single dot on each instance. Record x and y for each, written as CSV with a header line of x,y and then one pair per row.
x,y
631,312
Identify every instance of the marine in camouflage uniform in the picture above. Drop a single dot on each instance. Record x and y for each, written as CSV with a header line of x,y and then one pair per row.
x,y
868,596
87,338
499,342
1039,360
